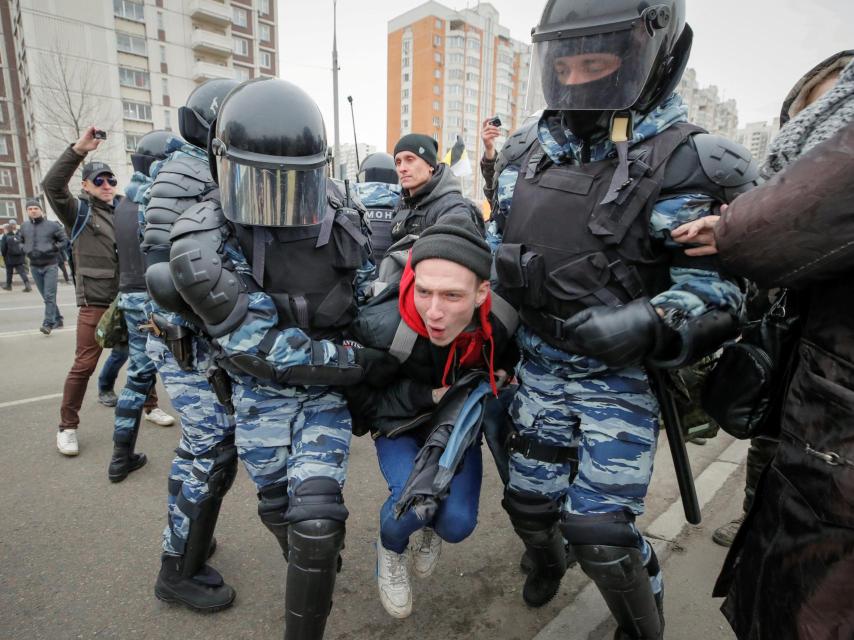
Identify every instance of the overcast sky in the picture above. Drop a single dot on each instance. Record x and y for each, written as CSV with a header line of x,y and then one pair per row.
x,y
753,50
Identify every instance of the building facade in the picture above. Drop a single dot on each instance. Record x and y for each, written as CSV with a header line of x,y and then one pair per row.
x,y
349,163
756,136
125,66
706,108
450,70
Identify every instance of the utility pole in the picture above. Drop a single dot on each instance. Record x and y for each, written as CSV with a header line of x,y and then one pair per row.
x,y
336,169
355,139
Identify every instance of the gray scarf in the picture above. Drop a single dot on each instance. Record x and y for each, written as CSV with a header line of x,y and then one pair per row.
x,y
815,124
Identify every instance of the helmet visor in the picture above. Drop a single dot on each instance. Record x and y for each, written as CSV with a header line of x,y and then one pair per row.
x,y
270,197
591,71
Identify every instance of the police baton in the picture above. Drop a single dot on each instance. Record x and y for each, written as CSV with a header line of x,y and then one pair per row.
x,y
673,427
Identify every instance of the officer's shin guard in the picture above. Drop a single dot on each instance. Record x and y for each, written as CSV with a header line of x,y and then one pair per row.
x,y
124,460
535,520
272,507
316,537
606,546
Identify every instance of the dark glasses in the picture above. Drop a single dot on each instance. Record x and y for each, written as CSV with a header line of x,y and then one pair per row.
x,y
99,180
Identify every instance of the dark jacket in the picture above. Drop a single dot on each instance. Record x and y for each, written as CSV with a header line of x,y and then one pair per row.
x,y
790,572
440,196
408,403
12,249
43,241
96,263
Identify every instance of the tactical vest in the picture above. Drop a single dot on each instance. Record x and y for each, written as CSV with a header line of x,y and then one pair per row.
x,y
563,250
380,219
131,263
309,271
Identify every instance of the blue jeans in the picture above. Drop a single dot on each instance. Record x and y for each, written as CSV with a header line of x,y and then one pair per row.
x,y
45,278
456,516
110,370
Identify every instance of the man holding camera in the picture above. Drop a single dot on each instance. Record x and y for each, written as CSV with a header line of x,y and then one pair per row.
x,y
88,219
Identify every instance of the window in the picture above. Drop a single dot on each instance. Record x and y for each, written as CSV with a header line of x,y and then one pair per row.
x,y
129,10
405,93
164,82
239,17
455,105
438,23
437,41
264,7
435,105
160,25
436,89
136,110
11,209
473,43
472,77
4,146
406,77
242,73
132,141
406,124
456,41
406,46
266,60
472,61
437,58
471,108
265,33
455,74
435,121
163,54
471,93
167,120
134,78
5,177
455,89
437,73
241,46
404,108
405,61
455,58
127,43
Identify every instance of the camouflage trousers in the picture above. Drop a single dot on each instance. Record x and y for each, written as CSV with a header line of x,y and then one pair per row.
x,y
204,425
613,419
141,373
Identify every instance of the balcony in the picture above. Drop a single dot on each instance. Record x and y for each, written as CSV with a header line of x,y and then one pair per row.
x,y
207,70
204,41
210,11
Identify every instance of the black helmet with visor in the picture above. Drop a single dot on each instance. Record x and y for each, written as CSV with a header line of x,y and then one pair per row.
x,y
607,55
270,154
379,167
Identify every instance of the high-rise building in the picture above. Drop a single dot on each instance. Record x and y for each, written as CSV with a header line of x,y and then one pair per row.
x,y
706,108
348,158
450,70
125,66
756,136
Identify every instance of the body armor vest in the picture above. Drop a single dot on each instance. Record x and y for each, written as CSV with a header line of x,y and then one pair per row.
x,y
131,262
380,219
563,250
309,271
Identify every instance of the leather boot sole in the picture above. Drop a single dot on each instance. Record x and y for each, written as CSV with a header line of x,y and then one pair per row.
x,y
167,595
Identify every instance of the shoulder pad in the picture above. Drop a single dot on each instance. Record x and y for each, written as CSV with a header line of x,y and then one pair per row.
x,y
160,209
184,177
711,164
516,147
203,216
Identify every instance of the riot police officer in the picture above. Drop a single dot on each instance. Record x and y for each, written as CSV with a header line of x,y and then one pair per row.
x,y
587,205
272,274
206,458
379,191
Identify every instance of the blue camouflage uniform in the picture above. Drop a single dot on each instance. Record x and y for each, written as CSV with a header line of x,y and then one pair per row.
x,y
205,422
566,399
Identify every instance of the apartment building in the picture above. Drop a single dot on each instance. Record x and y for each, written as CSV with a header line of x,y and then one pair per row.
x,y
449,70
706,108
756,136
125,65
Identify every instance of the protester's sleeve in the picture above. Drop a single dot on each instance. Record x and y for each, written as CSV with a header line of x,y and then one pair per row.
x,y
56,189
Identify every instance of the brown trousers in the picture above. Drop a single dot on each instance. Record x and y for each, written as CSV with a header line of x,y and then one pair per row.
x,y
86,358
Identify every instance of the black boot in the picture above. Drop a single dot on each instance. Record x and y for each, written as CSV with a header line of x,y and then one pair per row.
x,y
124,459
27,287
205,591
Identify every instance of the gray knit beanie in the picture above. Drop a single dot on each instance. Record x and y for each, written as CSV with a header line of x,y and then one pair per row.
x,y
455,238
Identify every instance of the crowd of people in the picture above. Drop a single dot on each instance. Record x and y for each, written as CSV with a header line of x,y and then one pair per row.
x,y
285,311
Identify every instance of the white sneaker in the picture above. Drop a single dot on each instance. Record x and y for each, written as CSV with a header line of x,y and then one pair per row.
x,y
393,581
66,442
158,416
426,547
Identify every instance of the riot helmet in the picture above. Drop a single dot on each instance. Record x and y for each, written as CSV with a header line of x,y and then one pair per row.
x,y
151,147
196,117
607,55
378,167
270,154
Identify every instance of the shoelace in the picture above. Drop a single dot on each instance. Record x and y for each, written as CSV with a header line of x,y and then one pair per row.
x,y
396,565
426,545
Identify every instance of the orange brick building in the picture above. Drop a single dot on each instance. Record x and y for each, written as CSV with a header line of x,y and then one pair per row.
x,y
448,71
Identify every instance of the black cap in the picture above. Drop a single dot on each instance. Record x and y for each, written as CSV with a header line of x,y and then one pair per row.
x,y
421,145
455,238
33,202
94,169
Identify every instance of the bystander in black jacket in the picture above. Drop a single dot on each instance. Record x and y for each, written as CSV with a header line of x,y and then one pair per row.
x,y
43,241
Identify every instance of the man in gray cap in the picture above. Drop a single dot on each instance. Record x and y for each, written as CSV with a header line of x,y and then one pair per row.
x,y
43,240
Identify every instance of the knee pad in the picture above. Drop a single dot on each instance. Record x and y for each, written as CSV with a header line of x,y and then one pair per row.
x,y
529,507
317,498
224,468
615,529
272,507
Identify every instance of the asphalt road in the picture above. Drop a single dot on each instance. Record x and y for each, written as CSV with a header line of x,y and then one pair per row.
x,y
79,555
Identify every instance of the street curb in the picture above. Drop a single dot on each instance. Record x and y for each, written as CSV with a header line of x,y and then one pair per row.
x,y
588,611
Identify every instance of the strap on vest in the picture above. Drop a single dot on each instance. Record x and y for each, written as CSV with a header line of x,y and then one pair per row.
x,y
403,342
259,249
81,220
506,314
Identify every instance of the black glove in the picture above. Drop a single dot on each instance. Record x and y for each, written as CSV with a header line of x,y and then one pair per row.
x,y
618,336
380,368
